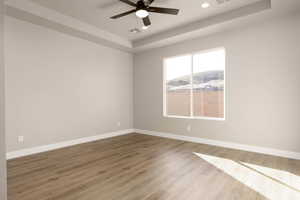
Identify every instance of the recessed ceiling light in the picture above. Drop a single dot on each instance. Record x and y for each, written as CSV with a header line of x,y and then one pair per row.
x,y
205,5
142,13
134,30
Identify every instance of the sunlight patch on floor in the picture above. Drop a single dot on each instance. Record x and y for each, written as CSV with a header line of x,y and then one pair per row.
x,y
271,183
291,180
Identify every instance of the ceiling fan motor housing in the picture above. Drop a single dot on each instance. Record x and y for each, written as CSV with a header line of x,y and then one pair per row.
x,y
140,5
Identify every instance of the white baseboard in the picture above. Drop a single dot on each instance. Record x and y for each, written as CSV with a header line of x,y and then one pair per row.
x,y
44,148
262,150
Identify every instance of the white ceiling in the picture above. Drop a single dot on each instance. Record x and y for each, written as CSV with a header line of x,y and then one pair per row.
x,y
90,19
98,12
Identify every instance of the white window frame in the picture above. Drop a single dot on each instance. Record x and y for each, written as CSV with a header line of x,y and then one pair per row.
x,y
192,99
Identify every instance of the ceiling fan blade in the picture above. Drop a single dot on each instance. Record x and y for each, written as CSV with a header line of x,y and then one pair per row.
x,y
147,21
170,11
129,2
148,2
123,14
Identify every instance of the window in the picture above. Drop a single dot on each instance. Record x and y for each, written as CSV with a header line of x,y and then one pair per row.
x,y
194,85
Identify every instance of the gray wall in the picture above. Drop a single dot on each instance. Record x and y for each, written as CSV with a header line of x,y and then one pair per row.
x,y
2,137
262,97
60,88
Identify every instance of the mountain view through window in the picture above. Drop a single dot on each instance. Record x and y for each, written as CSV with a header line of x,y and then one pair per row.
x,y
194,85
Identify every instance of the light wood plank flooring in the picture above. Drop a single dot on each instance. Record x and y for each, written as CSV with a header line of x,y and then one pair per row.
x,y
140,167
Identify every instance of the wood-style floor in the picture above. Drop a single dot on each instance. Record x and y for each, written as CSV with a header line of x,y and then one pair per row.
x,y
140,167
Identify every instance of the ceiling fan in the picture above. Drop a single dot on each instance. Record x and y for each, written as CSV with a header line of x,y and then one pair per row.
x,y
142,10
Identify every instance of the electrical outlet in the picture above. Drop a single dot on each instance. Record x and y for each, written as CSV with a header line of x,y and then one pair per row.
x,y
20,139
189,128
119,124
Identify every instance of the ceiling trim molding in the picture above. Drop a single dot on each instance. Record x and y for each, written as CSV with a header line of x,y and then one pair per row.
x,y
192,30
30,11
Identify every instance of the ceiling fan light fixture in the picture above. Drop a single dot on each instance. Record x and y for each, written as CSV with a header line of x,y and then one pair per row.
x,y
142,13
145,27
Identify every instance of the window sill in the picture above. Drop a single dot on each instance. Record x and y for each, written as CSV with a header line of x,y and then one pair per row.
x,y
186,117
